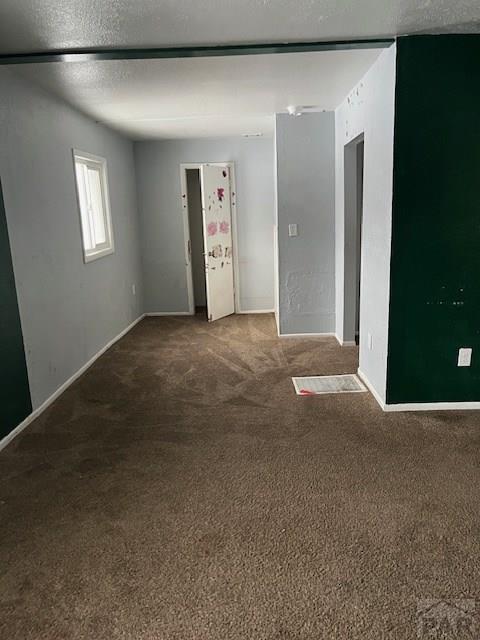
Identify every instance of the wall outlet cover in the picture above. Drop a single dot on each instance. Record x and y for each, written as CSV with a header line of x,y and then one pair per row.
x,y
464,357
292,230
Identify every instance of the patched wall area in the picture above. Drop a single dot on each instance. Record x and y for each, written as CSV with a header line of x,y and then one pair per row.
x,y
305,148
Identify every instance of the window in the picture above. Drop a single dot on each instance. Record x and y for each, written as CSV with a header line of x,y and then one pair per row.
x,y
93,202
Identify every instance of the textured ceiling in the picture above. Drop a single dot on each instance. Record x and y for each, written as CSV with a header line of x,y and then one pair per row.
x,y
39,25
195,97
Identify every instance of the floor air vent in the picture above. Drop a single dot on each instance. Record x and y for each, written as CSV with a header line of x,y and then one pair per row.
x,y
317,385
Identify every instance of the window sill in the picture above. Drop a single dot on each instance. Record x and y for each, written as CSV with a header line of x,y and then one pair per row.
x,y
95,255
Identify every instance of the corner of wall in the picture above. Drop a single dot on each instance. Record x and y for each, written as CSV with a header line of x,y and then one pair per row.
x,y
369,109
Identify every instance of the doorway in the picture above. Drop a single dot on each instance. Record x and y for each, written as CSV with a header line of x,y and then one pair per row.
x,y
353,199
194,198
208,199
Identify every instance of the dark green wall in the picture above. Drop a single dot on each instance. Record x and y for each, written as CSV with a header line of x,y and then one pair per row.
x,y
15,400
435,269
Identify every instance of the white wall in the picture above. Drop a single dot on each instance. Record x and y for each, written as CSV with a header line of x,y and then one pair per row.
x,y
369,109
69,310
305,156
158,180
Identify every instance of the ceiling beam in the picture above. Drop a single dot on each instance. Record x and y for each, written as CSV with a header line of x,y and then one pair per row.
x,y
88,55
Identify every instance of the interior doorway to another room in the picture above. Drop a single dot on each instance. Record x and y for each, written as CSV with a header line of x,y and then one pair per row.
x,y
353,171
194,197
208,201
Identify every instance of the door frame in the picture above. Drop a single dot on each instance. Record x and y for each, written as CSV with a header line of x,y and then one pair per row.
x,y
186,229
350,238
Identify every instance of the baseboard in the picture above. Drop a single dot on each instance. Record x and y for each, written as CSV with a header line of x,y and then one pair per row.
x,y
30,418
170,313
306,335
418,406
433,406
189,313
371,388
345,343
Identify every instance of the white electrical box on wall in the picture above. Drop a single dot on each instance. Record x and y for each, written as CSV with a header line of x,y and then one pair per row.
x,y
464,357
292,230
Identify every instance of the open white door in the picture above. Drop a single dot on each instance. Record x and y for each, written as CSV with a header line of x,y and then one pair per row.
x,y
217,234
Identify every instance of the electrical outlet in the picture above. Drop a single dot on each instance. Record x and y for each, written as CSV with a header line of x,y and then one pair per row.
x,y
292,230
369,341
134,290
464,357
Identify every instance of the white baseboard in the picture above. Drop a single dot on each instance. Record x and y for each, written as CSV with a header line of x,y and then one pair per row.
x,y
371,388
190,313
433,406
418,406
306,335
170,313
345,343
19,428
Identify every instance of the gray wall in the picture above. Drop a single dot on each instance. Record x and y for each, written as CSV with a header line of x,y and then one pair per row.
x,y
158,184
368,109
69,310
305,195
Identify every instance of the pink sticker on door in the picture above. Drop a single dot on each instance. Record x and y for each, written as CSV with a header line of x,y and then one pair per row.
x,y
224,226
212,228
221,193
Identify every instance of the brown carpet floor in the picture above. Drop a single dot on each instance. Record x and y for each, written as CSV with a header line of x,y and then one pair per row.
x,y
181,490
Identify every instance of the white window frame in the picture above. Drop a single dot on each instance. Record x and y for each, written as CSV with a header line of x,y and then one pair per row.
x,y
97,163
